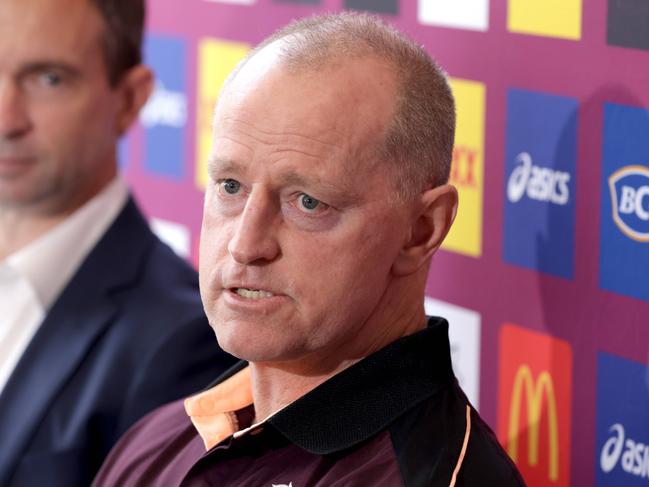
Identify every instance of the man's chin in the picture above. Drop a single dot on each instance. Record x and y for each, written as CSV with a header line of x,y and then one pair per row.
x,y
257,340
240,339
255,349
244,351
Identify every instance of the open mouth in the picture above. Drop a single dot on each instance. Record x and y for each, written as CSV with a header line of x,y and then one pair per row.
x,y
253,293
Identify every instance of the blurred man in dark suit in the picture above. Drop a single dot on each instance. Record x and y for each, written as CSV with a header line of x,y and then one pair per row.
x,y
99,321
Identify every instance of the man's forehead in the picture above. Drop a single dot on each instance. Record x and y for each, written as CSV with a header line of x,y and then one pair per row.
x,y
237,144
352,100
258,65
41,20
338,113
362,70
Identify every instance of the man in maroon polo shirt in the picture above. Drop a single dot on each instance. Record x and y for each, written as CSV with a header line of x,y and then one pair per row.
x,y
328,196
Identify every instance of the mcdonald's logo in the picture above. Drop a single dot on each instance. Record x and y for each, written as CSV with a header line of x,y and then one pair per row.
x,y
535,391
534,413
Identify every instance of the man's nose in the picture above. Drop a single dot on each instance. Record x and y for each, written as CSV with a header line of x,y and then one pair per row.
x,y
254,240
14,119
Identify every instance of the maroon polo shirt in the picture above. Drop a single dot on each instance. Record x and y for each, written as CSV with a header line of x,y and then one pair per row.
x,y
396,418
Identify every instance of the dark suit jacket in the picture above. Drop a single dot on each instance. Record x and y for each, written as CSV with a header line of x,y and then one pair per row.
x,y
127,334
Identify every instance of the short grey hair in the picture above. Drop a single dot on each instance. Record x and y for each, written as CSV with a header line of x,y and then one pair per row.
x,y
419,138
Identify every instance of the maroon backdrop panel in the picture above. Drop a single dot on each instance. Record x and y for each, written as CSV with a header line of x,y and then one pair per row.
x,y
546,278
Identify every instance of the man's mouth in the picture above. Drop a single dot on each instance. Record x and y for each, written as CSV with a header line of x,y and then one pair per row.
x,y
253,293
9,161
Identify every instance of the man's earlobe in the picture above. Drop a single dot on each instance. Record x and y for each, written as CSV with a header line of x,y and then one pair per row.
x,y
437,210
134,90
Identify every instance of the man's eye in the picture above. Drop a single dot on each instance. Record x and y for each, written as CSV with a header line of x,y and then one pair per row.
x,y
308,203
230,186
51,78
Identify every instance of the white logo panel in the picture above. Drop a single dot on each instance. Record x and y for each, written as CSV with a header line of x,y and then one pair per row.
x,y
461,14
174,235
464,336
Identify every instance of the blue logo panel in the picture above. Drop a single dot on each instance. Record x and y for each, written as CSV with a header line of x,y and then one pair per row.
x,y
164,117
624,222
540,182
622,447
122,153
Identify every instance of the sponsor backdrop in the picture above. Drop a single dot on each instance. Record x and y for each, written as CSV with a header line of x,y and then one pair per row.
x,y
545,277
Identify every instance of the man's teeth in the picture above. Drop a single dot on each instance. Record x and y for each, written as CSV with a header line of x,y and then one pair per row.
x,y
253,293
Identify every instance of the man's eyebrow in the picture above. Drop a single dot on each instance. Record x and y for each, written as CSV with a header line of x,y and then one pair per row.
x,y
38,66
215,163
340,190
295,179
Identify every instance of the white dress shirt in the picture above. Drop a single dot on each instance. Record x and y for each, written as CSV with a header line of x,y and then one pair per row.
x,y
32,278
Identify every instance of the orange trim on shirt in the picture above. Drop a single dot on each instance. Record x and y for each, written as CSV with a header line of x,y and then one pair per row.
x,y
213,411
460,459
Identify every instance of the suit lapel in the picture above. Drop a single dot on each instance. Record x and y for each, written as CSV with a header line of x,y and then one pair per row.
x,y
74,323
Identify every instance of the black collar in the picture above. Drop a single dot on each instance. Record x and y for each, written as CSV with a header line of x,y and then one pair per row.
x,y
367,397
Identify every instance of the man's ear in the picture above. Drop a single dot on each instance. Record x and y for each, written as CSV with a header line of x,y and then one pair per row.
x,y
436,211
134,90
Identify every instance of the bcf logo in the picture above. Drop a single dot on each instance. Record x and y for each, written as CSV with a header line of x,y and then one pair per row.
x,y
534,410
624,218
629,188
